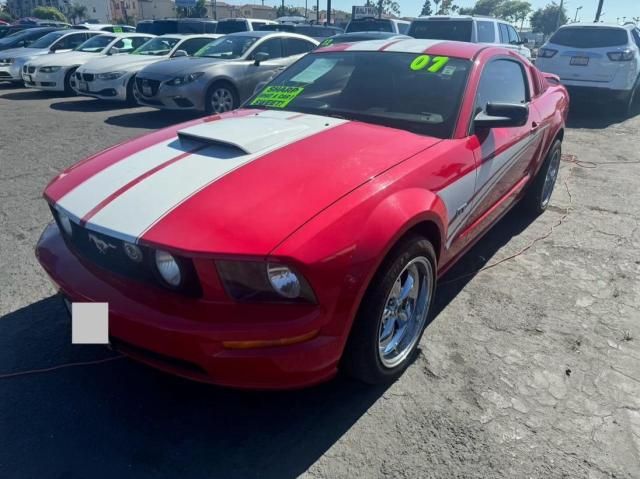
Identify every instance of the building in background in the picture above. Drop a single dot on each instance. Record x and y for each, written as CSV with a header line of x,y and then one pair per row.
x,y
152,9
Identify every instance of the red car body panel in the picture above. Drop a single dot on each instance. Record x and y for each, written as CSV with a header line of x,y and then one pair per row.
x,y
327,197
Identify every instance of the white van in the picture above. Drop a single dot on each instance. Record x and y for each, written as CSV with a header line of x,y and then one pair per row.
x,y
370,24
467,28
593,59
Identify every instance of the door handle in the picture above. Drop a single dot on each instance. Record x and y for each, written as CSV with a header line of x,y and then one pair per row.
x,y
534,126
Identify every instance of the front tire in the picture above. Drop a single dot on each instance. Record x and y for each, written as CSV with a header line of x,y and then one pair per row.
x,y
538,196
68,89
393,313
221,97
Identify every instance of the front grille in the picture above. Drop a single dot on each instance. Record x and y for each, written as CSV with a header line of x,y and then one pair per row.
x,y
108,253
87,76
5,74
144,85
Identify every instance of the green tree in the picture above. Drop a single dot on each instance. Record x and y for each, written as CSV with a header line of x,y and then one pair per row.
x,y
487,7
49,13
5,16
426,9
437,4
286,11
388,7
547,20
514,11
199,11
447,7
77,12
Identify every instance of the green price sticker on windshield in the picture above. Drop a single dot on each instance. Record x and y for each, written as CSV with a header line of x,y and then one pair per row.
x,y
327,42
434,64
117,29
277,96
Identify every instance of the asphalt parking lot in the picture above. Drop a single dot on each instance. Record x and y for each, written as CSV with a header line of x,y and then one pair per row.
x,y
531,368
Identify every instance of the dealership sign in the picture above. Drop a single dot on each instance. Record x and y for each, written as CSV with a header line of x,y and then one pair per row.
x,y
364,11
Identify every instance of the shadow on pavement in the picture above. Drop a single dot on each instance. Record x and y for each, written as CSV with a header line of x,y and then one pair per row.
x,y
596,115
88,105
122,419
28,94
152,119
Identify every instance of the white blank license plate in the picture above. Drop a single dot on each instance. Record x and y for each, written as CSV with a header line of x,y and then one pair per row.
x,y
580,61
82,86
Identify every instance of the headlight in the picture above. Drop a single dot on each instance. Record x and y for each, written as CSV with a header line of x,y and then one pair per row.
x,y
191,77
264,282
65,222
7,61
110,75
49,69
168,268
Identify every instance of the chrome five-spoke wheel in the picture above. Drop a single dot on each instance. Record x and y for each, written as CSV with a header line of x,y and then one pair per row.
x,y
405,312
550,178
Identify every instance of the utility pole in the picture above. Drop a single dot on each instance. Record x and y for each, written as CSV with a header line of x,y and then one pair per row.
x,y
328,12
575,19
318,12
599,11
560,10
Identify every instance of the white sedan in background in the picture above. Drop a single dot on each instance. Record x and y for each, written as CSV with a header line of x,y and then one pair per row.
x,y
61,41
112,77
56,72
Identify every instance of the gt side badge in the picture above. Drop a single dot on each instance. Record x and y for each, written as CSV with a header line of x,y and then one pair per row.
x,y
90,323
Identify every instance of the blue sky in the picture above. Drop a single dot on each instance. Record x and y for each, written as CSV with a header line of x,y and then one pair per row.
x,y
612,8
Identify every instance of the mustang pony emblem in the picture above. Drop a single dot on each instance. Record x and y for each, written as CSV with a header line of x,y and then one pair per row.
x,y
102,245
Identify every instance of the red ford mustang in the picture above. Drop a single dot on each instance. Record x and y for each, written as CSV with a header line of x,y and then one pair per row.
x,y
270,246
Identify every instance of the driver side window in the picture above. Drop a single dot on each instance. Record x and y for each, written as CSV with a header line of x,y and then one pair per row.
x,y
273,47
502,81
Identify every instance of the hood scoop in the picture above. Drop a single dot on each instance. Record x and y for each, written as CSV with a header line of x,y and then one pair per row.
x,y
250,134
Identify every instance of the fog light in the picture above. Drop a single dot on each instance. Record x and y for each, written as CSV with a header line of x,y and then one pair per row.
x,y
133,252
168,268
283,280
65,222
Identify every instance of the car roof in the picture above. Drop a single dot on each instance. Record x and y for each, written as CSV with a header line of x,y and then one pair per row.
x,y
598,25
411,45
266,33
372,34
459,17
182,36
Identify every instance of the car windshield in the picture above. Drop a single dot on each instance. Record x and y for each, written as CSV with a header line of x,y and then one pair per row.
x,y
456,30
371,25
408,91
95,44
232,26
47,40
590,37
156,46
227,47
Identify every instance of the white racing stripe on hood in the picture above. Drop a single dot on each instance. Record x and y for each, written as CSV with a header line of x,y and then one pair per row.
x,y
84,197
136,210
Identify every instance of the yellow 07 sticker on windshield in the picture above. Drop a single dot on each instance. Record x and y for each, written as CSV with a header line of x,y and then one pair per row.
x,y
432,64
277,96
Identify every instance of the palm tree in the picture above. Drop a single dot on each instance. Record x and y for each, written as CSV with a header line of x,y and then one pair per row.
x,y
77,12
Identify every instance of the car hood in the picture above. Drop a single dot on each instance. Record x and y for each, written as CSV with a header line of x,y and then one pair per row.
x,y
22,52
126,62
64,59
179,66
236,184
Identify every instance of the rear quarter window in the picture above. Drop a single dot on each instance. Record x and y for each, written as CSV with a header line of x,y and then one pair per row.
x,y
590,37
486,32
456,30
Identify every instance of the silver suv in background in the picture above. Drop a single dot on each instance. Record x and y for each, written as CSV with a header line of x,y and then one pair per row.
x,y
599,61
391,25
467,28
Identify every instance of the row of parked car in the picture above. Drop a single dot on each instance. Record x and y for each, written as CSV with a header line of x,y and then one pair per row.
x,y
217,72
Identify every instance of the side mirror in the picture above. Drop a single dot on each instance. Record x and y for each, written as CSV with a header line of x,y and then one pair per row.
x,y
260,57
113,51
180,53
502,115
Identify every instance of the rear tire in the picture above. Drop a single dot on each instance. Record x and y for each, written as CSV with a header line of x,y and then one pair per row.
x,y
387,329
630,105
68,89
537,198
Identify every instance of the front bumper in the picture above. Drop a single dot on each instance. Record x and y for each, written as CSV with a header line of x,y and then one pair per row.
x,y
186,97
184,336
597,94
103,89
10,72
45,81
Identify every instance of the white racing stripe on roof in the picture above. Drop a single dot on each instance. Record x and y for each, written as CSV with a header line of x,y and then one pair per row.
x,y
412,46
369,45
134,212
